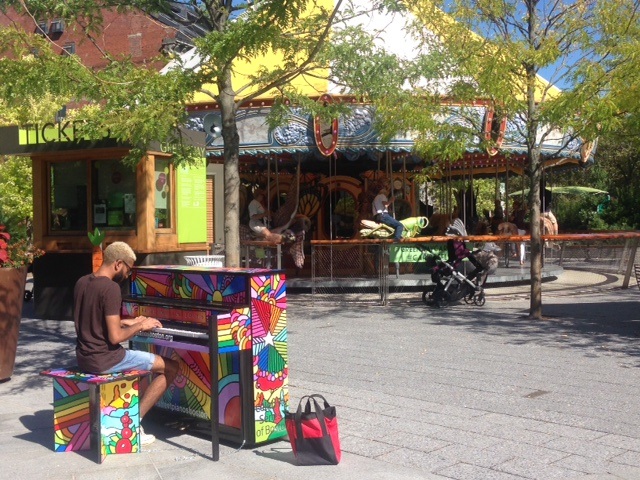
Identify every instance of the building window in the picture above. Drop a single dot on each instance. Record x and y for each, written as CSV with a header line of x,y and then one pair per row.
x,y
42,28
68,196
57,26
102,193
163,194
69,48
113,195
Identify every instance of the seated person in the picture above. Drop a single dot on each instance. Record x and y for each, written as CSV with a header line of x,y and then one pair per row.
x,y
97,300
258,217
380,210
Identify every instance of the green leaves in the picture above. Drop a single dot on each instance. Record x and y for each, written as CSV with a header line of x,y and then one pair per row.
x,y
97,237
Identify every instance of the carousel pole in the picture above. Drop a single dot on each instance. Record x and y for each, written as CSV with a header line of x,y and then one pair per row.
x,y
330,190
473,194
506,194
389,172
449,189
277,172
464,195
268,186
404,177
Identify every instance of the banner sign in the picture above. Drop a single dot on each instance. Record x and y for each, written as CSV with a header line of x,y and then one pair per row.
x,y
191,202
416,254
48,137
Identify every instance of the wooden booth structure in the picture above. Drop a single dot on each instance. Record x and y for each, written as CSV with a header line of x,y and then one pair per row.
x,y
163,212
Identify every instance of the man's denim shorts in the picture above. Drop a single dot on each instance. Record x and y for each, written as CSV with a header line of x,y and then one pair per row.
x,y
134,360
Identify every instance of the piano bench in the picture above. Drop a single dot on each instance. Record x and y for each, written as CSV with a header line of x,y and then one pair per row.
x,y
96,412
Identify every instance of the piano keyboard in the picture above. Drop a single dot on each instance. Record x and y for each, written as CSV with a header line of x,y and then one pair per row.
x,y
181,332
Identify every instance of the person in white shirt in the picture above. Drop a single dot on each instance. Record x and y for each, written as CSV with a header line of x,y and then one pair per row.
x,y
380,210
259,216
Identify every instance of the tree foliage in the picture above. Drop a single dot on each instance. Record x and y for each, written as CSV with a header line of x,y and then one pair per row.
x,y
16,191
138,105
495,51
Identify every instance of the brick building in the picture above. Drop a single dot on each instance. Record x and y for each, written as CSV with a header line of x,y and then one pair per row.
x,y
142,37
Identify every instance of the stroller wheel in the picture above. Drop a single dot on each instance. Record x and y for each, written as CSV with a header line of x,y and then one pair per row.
x,y
468,298
427,298
440,301
480,299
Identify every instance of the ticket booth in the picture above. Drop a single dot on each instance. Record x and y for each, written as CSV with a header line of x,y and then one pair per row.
x,y
78,185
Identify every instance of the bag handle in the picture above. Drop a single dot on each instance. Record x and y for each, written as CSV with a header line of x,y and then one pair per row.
x,y
315,395
318,410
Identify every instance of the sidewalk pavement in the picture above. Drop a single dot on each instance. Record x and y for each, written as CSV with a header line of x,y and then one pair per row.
x,y
458,393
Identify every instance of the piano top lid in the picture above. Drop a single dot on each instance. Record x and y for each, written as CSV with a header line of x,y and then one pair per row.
x,y
252,272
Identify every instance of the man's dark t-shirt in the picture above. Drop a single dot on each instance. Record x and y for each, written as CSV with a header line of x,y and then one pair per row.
x,y
94,299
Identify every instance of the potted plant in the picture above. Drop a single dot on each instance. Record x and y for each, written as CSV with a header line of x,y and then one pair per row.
x,y
16,254
96,238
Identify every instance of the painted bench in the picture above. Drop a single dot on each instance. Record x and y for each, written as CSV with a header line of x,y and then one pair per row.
x,y
96,412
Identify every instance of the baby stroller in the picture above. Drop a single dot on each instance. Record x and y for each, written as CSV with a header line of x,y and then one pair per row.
x,y
451,285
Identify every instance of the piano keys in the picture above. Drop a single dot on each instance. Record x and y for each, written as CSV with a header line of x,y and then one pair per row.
x,y
235,315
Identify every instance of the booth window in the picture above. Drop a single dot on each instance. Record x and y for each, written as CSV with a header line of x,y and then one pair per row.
x,y
113,195
68,190
162,193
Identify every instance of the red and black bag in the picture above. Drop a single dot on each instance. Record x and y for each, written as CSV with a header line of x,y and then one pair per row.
x,y
314,434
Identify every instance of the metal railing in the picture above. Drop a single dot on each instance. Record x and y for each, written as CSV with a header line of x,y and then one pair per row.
x,y
259,253
372,271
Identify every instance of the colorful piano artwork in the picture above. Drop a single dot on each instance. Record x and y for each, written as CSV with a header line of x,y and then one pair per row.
x,y
245,311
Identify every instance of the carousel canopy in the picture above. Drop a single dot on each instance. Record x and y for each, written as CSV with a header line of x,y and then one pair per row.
x,y
354,134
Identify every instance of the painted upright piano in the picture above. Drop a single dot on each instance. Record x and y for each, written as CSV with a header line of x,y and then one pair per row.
x,y
234,315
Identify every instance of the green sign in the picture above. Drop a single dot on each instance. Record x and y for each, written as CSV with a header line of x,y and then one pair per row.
x,y
48,137
191,198
415,254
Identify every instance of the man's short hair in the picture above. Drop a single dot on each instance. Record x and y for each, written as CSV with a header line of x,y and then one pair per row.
x,y
118,251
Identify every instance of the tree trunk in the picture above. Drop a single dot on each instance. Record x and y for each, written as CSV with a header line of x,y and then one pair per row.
x,y
231,140
534,167
535,307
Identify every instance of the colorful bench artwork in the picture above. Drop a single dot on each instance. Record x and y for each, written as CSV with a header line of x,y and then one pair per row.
x,y
96,412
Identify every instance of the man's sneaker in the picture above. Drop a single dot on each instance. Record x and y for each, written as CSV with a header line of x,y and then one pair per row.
x,y
146,438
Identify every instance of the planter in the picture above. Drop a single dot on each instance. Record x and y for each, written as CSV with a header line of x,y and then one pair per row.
x,y
12,282
96,259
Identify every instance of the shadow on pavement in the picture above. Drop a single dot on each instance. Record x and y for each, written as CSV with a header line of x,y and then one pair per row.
x,y
279,454
37,433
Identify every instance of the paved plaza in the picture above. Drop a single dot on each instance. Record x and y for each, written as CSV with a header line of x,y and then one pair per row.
x,y
465,392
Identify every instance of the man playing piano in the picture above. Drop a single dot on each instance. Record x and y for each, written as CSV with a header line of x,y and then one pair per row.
x,y
100,330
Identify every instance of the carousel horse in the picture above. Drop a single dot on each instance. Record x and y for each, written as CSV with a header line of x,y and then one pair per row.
x,y
508,229
287,221
412,228
440,221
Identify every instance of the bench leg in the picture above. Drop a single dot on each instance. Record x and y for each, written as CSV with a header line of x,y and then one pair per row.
x,y
115,418
71,418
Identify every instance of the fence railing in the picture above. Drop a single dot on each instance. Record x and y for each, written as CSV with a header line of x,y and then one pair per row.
x,y
372,271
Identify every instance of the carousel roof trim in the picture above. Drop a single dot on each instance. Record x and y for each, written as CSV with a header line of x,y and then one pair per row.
x,y
356,134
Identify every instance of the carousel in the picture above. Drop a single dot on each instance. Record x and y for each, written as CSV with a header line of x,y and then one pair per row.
x,y
329,174
325,174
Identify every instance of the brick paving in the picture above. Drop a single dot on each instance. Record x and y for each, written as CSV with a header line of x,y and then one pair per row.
x,y
462,393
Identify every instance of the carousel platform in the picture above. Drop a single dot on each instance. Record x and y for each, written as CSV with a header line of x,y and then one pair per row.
x,y
513,274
